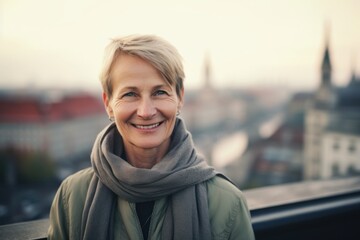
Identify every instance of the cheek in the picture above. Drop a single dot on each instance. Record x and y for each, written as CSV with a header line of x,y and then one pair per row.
x,y
169,109
122,116
123,111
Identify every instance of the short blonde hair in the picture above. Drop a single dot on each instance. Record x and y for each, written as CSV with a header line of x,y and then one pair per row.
x,y
153,49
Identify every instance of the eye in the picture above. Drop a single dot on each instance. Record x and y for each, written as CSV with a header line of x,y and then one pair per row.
x,y
129,94
160,92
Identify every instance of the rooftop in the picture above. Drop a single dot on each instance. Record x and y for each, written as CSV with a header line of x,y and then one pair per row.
x,y
32,108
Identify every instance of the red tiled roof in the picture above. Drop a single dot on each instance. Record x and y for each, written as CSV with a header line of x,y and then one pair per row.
x,y
32,109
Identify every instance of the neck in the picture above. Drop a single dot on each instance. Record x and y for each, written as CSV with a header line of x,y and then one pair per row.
x,y
144,158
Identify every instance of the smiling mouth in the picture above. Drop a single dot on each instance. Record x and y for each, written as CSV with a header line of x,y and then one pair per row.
x,y
147,127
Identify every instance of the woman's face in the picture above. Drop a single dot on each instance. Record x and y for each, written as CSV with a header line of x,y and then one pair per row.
x,y
143,104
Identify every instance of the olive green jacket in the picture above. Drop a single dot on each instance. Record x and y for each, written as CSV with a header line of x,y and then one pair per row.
x,y
229,215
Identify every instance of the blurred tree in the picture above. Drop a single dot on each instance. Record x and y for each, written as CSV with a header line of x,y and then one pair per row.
x,y
25,167
35,167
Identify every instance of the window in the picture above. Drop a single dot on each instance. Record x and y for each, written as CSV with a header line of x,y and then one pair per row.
x,y
352,146
336,145
352,171
335,170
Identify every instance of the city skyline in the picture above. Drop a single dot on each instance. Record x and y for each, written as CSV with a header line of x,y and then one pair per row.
x,y
60,43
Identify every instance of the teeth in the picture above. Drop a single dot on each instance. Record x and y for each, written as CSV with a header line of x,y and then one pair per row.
x,y
148,126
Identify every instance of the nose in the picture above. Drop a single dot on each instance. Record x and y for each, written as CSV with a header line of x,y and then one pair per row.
x,y
146,109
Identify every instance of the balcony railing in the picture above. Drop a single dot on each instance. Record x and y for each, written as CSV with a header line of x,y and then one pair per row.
x,y
306,210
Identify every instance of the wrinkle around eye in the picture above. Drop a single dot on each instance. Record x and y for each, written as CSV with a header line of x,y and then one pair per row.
x,y
129,94
161,92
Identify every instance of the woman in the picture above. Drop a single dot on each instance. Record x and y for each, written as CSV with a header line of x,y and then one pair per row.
x,y
147,180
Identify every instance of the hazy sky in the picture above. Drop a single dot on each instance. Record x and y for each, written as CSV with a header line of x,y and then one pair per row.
x,y
250,42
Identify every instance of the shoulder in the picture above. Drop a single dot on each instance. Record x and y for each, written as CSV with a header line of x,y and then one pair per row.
x,y
76,185
228,209
66,209
221,188
81,176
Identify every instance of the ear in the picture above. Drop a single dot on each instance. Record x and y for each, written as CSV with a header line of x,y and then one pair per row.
x,y
107,105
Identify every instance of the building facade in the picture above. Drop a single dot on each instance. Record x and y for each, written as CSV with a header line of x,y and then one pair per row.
x,y
60,127
332,119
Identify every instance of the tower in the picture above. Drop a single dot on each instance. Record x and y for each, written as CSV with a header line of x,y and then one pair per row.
x,y
325,96
318,115
326,68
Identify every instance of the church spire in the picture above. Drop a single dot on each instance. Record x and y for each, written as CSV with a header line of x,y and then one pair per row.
x,y
326,67
354,79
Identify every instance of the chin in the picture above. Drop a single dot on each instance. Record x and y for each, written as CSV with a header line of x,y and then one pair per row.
x,y
149,144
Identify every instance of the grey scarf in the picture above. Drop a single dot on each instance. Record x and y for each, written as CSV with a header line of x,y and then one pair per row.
x,y
180,175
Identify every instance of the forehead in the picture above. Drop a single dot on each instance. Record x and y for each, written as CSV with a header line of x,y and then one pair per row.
x,y
133,70
125,64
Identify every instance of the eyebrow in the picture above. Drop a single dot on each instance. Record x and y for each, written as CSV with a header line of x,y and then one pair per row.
x,y
128,88
132,88
161,86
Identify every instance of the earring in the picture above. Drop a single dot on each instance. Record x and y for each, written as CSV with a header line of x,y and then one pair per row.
x,y
111,119
178,113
